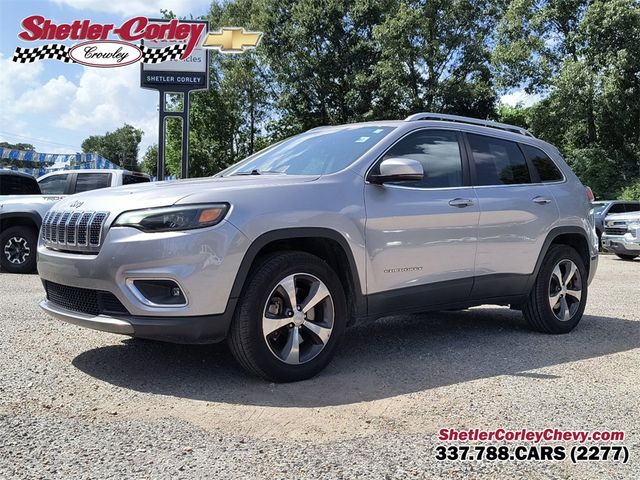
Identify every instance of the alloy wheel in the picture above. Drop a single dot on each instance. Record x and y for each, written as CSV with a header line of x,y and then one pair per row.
x,y
565,290
16,250
298,318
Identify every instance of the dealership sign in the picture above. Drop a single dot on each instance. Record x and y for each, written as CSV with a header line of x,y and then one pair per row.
x,y
173,55
160,41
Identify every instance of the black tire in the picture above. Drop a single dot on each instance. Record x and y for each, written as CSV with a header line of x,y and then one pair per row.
x,y
626,257
246,340
537,309
18,248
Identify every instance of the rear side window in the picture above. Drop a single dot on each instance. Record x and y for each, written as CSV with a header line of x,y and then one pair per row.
x,y
547,169
131,179
439,153
498,162
18,185
54,185
632,207
92,181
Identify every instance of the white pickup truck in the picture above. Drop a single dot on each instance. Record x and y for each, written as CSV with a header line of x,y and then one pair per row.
x,y
24,202
622,235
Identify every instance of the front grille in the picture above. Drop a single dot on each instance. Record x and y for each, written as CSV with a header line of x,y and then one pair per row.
x,y
74,230
84,300
615,231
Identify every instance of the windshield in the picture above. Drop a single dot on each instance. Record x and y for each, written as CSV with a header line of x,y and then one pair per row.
x,y
598,208
317,152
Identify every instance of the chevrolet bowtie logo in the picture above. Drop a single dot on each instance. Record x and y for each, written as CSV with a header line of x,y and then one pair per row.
x,y
232,40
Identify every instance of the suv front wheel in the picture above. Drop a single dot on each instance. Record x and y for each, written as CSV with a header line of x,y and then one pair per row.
x,y
558,298
290,318
18,249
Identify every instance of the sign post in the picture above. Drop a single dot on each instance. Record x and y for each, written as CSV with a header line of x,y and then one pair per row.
x,y
176,76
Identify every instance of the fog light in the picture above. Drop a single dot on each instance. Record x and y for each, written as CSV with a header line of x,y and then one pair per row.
x,y
160,292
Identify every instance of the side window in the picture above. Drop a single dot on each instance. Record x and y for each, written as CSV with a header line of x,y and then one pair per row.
x,y
632,207
131,179
498,162
18,185
439,153
92,181
617,208
547,169
54,185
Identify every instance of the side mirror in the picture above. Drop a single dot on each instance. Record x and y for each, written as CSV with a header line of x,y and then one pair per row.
x,y
398,170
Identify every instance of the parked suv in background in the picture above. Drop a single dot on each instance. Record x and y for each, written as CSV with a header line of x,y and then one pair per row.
x,y
603,208
17,183
21,215
280,252
622,235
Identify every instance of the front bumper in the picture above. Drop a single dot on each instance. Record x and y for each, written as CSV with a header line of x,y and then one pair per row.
x,y
204,264
204,329
624,244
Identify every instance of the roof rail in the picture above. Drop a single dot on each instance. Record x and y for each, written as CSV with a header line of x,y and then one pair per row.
x,y
473,121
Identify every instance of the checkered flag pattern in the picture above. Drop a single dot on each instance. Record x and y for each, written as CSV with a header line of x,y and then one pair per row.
x,y
61,52
54,50
157,55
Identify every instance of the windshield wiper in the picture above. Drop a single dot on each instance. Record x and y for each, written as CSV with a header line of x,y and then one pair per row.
x,y
255,171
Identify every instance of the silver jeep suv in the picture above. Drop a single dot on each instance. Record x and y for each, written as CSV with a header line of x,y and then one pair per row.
x,y
279,253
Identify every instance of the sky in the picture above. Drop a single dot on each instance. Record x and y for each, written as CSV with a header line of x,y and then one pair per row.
x,y
55,105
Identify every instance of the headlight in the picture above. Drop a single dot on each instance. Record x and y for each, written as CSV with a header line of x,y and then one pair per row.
x,y
167,219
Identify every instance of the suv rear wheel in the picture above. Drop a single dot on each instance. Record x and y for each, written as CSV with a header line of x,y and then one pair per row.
x,y
290,319
18,249
558,298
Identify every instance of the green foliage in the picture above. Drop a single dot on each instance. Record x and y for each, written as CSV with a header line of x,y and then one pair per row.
x,y
514,115
434,56
585,56
337,61
119,147
149,163
17,146
632,192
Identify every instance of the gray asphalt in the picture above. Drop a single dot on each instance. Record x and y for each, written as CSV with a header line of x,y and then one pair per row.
x,y
75,403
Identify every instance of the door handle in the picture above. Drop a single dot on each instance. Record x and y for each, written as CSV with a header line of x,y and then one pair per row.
x,y
541,200
461,202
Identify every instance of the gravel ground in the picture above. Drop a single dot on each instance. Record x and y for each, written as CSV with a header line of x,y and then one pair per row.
x,y
75,403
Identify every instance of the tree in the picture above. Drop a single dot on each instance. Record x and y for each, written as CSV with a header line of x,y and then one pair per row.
x,y
320,55
434,56
149,163
120,146
18,146
585,57
534,38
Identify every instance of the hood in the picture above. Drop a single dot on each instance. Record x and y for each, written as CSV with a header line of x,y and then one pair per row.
x,y
162,194
26,201
629,216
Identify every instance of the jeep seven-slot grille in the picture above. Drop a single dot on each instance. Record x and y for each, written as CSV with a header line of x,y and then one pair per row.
x,y
74,230
84,300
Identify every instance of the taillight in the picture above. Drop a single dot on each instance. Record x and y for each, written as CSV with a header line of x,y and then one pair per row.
x,y
589,193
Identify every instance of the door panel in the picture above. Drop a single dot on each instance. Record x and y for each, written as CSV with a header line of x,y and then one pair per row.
x,y
419,234
414,237
512,227
515,213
